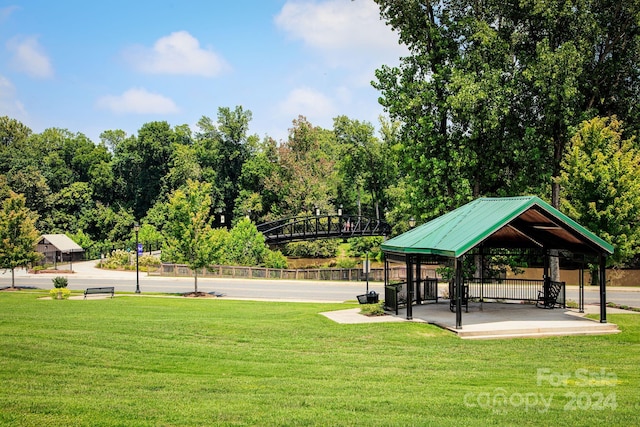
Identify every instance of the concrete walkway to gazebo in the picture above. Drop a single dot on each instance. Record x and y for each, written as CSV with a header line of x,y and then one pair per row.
x,y
497,320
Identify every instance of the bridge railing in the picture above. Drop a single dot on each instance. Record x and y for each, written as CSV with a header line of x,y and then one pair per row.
x,y
314,227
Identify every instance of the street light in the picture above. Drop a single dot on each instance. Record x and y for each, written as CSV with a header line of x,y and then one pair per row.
x,y
136,228
340,211
412,222
219,212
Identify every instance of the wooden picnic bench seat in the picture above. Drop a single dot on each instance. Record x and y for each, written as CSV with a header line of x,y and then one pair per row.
x,y
102,290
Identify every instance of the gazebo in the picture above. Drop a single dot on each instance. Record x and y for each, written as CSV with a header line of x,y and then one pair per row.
x,y
485,227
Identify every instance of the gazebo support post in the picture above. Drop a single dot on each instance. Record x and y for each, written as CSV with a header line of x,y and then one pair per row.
x,y
419,296
603,288
481,278
386,269
581,284
458,284
545,274
409,287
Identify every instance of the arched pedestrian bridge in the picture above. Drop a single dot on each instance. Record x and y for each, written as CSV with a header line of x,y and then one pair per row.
x,y
322,227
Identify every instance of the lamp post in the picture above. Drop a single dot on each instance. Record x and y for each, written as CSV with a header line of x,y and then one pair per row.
x,y
136,228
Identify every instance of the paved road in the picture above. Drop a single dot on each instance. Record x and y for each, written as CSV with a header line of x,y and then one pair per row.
x,y
86,275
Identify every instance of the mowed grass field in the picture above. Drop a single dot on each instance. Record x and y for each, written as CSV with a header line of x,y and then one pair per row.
x,y
145,361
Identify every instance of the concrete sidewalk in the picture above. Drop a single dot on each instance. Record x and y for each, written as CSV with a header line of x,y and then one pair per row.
x,y
496,320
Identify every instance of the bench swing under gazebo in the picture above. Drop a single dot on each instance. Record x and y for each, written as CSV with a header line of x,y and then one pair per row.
x,y
522,226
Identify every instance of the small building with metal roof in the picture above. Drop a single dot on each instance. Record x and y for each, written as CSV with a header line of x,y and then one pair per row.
x,y
59,248
523,223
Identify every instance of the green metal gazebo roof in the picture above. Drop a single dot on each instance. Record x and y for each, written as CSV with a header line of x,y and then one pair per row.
x,y
508,222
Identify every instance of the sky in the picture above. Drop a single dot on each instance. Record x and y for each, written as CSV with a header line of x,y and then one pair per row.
x,y
91,66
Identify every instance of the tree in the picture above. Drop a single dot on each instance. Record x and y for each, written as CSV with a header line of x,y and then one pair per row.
x,y
262,162
188,233
141,163
69,207
12,132
18,234
184,167
364,160
246,245
491,90
600,182
306,174
222,149
104,223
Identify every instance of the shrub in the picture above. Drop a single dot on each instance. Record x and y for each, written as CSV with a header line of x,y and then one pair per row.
x,y
117,259
324,248
360,246
571,304
275,259
148,261
372,309
63,292
60,282
346,263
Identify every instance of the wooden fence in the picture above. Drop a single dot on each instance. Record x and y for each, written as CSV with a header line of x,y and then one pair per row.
x,y
332,274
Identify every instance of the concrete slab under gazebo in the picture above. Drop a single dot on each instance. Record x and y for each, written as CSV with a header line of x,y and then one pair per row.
x,y
489,226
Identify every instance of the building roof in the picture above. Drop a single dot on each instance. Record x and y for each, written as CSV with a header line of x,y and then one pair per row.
x,y
61,241
507,222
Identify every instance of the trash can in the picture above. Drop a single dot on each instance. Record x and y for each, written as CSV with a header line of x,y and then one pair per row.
x,y
372,297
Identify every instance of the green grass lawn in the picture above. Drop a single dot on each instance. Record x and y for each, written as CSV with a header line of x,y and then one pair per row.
x,y
176,362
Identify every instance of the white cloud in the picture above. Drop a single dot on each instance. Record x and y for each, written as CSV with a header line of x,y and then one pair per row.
x,y
309,103
177,53
138,101
5,12
9,104
344,31
29,57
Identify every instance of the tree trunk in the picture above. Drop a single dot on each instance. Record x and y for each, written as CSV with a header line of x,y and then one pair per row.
x,y
13,278
195,279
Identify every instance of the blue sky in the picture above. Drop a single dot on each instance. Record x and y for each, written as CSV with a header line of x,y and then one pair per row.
x,y
92,66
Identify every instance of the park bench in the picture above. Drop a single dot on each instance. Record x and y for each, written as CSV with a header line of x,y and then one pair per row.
x,y
548,296
103,290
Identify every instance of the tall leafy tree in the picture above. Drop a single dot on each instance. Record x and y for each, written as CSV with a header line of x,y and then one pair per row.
x,y
12,132
222,150
491,90
141,163
246,245
600,182
306,175
364,160
262,162
18,234
189,237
